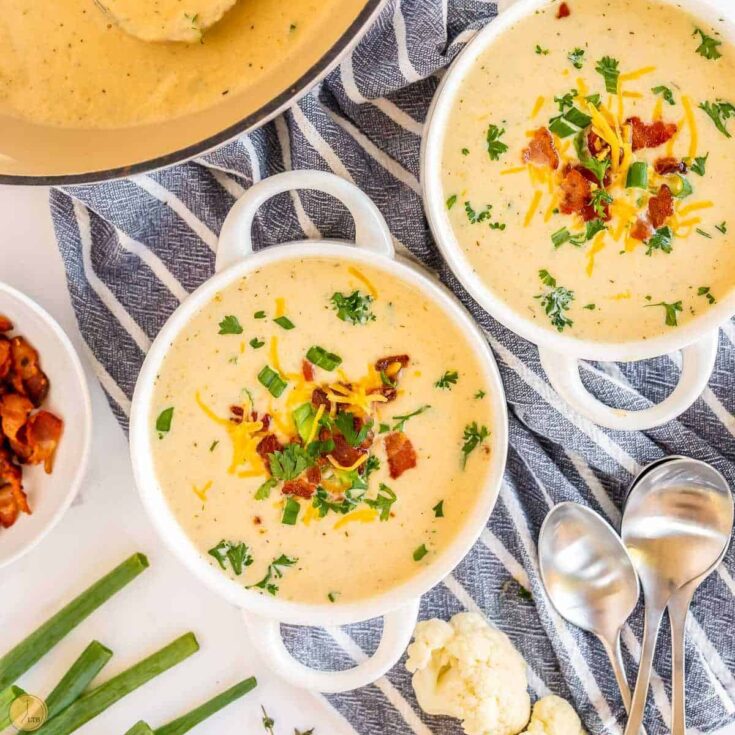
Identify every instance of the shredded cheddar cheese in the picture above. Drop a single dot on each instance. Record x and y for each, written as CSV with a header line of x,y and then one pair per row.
x,y
514,170
597,245
537,107
280,306
691,121
364,280
532,208
363,515
201,492
354,466
621,296
315,424
637,73
694,207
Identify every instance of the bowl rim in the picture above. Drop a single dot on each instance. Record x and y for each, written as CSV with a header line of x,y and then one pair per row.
x,y
430,163
84,407
174,536
352,35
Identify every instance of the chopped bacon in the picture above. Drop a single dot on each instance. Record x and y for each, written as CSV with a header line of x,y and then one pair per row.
x,y
267,445
650,136
641,230
389,391
576,190
299,487
401,454
14,412
319,398
564,11
541,150
237,414
385,362
307,370
13,500
41,434
660,207
344,453
596,144
670,165
265,419
314,475
6,360
5,324
28,378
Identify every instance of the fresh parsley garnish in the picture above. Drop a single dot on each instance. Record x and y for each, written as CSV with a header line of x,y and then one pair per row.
x,y
256,343
608,68
589,307
439,509
707,293
708,46
541,51
556,301
671,310
259,315
719,112
599,200
237,554
420,552
354,308
213,445
264,491
163,422
447,380
451,201
660,240
592,227
275,571
290,462
665,92
475,217
372,465
495,147
465,151
576,57
332,597
722,227
701,232
401,420
384,501
473,436
230,325
480,394
699,166
345,422
591,163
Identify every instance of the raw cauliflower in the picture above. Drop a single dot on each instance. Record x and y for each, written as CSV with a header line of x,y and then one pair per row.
x,y
553,715
467,669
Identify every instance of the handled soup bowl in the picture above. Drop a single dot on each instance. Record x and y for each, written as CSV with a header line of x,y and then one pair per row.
x,y
264,614
560,353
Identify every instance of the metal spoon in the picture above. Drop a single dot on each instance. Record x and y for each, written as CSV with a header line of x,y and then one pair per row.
x,y
589,578
681,600
676,523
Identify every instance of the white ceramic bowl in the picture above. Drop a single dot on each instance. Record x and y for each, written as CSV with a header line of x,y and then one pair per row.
x,y
560,353
49,495
264,614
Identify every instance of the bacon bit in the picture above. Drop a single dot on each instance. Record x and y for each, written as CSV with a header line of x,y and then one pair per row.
x,y
641,230
319,398
307,370
596,144
5,324
265,419
401,454
541,150
314,475
238,413
650,136
299,487
564,11
42,434
28,378
6,361
14,412
257,520
13,500
670,165
385,362
576,190
344,453
660,207
389,391
267,445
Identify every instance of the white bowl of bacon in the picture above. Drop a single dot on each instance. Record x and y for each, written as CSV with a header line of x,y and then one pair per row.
x,y
45,423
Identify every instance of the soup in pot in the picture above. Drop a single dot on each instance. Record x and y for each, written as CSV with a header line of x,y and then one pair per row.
x,y
321,431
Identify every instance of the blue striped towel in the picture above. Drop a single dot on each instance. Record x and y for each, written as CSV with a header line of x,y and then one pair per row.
x,y
134,248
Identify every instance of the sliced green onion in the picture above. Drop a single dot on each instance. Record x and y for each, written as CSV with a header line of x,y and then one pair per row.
x,y
637,176
73,684
259,315
560,127
420,552
270,379
323,359
163,422
303,417
291,512
264,491
284,321
98,700
19,659
577,117
196,716
685,188
7,698
140,728
561,236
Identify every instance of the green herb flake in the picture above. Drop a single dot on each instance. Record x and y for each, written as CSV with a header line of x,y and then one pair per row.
x,y
401,420
346,423
420,552
495,147
354,308
288,463
264,491
447,380
556,301
477,217
230,325
237,554
451,201
599,200
589,307
591,163
719,112
576,57
275,571
722,227
384,501
541,51
609,69
256,343
665,92
271,380
707,293
671,311
703,233
708,46
660,240
268,722
465,151
163,422
332,597
480,394
213,445
383,428
259,315
473,436
439,509
284,322
699,166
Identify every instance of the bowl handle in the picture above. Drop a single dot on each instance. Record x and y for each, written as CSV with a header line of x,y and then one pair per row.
x,y
235,240
697,362
398,626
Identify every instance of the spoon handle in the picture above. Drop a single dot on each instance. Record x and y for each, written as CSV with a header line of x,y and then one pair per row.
x,y
654,613
678,610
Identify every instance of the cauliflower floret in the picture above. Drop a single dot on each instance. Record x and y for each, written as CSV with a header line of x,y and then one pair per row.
x,y
553,715
467,669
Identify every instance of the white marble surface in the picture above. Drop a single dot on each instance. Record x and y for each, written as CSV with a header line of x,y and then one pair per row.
x,y
105,525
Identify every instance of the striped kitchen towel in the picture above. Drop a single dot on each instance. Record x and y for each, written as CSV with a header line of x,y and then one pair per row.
x,y
134,248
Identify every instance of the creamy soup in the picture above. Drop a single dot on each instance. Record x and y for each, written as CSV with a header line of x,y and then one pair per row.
x,y
321,432
589,172
69,63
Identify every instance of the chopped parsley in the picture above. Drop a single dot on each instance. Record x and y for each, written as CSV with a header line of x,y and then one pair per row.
x,y
354,308
259,315
384,501
401,420
420,552
563,235
708,46
230,325
451,201
447,380
290,462
495,147
719,112
699,166
465,151
671,310
473,436
238,555
345,422
660,240
163,422
256,343
480,394
476,217
722,227
439,509
608,68
589,307
264,491
275,571
665,92
703,233
707,293
371,465
576,57
542,51
268,721
497,225
599,200
332,597
213,445
284,322
556,301
591,163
